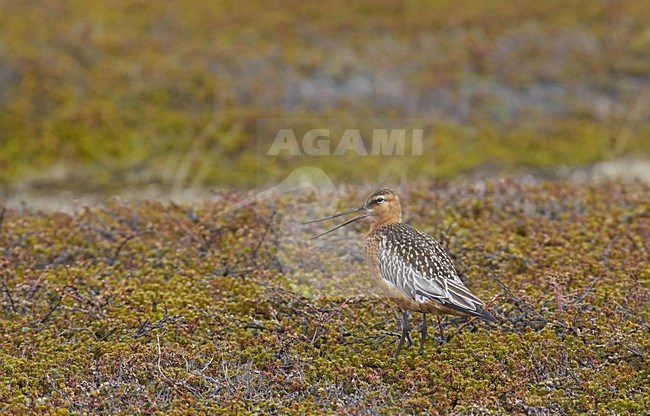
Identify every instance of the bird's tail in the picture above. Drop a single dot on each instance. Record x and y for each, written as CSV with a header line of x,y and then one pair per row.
x,y
485,315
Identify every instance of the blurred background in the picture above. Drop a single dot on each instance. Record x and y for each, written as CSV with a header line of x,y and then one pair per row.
x,y
156,98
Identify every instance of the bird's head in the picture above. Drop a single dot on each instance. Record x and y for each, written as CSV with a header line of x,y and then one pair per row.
x,y
382,207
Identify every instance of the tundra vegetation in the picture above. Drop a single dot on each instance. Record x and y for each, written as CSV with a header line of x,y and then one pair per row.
x,y
147,307
222,304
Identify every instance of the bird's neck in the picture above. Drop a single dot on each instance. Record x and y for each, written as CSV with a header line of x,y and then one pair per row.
x,y
384,222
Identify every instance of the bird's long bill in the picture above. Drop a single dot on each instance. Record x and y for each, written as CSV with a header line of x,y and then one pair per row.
x,y
329,217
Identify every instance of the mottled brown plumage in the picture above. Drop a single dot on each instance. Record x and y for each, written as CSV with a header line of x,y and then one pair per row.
x,y
411,267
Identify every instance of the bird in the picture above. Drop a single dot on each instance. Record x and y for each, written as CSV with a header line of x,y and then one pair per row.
x,y
410,267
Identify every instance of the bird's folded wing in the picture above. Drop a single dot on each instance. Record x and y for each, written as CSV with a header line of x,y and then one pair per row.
x,y
416,284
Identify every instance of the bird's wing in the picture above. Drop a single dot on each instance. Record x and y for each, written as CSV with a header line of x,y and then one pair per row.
x,y
423,288
418,266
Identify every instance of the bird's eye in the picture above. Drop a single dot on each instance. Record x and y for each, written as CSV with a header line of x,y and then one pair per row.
x,y
380,199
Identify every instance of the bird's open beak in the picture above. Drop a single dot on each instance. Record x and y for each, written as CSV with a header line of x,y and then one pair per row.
x,y
350,221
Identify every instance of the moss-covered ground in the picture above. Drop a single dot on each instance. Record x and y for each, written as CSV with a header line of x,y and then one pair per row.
x,y
196,309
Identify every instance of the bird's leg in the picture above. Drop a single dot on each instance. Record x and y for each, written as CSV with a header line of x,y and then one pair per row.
x,y
401,320
441,329
405,333
407,324
423,332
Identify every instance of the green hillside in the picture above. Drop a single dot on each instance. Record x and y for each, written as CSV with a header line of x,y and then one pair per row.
x,y
102,96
